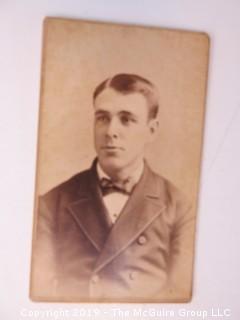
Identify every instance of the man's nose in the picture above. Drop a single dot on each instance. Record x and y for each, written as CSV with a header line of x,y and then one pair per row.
x,y
113,128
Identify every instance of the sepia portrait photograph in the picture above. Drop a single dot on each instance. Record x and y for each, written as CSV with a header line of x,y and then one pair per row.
x,y
120,138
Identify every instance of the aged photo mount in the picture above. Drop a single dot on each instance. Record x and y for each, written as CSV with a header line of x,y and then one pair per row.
x,y
119,156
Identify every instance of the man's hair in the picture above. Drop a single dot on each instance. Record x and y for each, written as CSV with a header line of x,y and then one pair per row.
x,y
132,83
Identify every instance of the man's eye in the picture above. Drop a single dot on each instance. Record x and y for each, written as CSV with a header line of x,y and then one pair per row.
x,y
102,118
126,119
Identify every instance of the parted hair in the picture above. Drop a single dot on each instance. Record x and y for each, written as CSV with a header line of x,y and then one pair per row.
x,y
130,83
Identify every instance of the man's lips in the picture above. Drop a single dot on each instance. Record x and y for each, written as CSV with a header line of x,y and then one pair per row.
x,y
112,148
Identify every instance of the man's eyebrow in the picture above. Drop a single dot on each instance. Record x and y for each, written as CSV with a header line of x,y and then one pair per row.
x,y
127,113
101,111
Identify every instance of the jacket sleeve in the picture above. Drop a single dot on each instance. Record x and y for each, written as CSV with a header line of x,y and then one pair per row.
x,y
44,266
182,251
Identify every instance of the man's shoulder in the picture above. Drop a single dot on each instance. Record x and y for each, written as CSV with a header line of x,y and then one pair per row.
x,y
72,185
167,190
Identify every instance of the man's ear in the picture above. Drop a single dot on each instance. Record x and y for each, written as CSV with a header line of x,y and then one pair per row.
x,y
153,127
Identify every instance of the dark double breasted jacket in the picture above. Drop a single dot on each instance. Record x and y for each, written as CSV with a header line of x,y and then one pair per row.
x,y
78,255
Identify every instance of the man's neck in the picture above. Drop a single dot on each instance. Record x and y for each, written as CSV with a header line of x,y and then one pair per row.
x,y
135,171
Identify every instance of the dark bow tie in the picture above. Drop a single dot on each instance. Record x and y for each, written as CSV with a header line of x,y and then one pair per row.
x,y
109,186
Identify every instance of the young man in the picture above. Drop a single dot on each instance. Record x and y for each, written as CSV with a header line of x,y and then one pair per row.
x,y
118,231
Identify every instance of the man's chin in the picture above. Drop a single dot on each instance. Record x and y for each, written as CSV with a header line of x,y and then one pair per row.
x,y
111,164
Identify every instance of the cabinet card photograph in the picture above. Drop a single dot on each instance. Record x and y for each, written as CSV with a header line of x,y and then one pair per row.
x,y
119,155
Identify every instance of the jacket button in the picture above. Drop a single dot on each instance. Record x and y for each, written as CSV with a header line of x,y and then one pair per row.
x,y
132,275
95,279
142,240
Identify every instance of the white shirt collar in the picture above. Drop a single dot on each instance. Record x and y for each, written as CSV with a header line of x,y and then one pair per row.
x,y
136,175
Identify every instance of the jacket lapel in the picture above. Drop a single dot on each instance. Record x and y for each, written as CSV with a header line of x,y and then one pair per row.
x,y
89,211
142,208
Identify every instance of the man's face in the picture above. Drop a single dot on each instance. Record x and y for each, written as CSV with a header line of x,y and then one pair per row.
x,y
121,130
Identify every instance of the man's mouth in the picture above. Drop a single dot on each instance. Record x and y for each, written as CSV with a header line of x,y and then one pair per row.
x,y
112,148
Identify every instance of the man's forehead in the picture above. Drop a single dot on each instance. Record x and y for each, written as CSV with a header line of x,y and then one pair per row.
x,y
110,100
